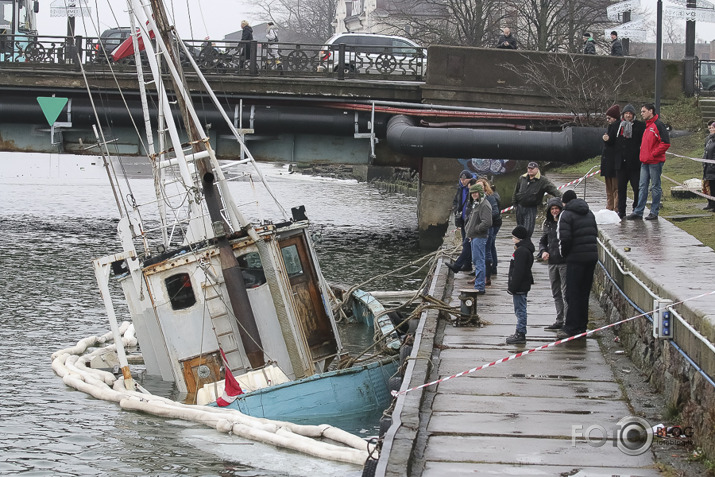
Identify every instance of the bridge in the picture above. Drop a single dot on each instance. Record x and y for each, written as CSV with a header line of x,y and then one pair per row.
x,y
298,103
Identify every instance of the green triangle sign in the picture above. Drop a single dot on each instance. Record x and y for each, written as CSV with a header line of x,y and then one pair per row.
x,y
52,107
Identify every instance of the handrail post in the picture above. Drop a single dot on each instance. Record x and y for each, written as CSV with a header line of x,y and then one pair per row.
x,y
341,61
254,61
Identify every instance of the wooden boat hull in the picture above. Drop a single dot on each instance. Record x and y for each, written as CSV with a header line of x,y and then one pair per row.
x,y
347,392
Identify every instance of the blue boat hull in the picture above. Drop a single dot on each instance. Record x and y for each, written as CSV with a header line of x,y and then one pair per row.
x,y
345,393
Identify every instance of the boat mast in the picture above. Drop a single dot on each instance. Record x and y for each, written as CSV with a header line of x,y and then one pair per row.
x,y
231,271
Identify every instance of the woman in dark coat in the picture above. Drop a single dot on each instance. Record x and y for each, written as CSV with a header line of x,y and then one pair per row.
x,y
608,157
709,169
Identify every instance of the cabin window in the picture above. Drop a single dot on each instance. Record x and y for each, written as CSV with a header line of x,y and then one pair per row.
x,y
252,270
181,293
292,260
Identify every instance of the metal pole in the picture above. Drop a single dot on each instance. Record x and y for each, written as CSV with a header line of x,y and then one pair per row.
x,y
658,54
689,59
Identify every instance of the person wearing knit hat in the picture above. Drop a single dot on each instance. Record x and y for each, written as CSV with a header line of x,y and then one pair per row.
x,y
520,280
529,194
608,157
461,205
477,229
578,244
628,163
549,251
589,45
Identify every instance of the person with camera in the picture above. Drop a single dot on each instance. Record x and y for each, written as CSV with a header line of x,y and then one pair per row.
x,y
461,208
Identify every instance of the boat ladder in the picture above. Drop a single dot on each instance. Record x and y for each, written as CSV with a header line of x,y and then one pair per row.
x,y
222,324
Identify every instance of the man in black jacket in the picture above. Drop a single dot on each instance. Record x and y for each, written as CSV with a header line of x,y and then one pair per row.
x,y
528,195
578,238
616,44
506,40
628,163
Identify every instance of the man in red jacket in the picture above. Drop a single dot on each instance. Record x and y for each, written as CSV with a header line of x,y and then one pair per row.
x,y
655,142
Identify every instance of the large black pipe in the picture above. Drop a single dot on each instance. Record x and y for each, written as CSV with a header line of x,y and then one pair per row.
x,y
266,119
568,146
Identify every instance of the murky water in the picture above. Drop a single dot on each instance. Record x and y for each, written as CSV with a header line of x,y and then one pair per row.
x,y
50,231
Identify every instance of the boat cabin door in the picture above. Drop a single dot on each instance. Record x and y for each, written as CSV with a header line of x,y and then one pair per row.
x,y
308,299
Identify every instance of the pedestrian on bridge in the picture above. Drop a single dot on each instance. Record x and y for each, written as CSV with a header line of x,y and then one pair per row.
x,y
506,40
529,194
246,39
616,44
520,280
589,45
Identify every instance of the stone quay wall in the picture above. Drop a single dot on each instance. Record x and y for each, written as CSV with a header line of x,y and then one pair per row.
x,y
622,288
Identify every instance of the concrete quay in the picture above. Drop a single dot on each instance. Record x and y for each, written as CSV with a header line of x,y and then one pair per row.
x,y
529,416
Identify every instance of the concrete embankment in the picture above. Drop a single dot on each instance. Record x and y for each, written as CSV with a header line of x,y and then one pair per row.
x,y
560,410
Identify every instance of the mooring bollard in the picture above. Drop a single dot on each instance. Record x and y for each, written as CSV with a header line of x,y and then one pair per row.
x,y
468,308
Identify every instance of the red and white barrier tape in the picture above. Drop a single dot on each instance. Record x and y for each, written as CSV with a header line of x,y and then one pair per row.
x,y
574,182
549,345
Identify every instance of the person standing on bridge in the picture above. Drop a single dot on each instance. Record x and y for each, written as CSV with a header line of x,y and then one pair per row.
x,y
589,45
490,255
577,233
461,206
616,45
477,229
246,39
656,141
528,195
549,250
506,40
628,164
520,280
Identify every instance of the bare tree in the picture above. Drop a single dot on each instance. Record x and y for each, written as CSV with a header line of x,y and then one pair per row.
x,y
446,22
558,25
303,21
574,83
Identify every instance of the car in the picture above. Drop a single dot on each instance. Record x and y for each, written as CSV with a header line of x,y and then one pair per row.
x,y
110,39
374,53
707,75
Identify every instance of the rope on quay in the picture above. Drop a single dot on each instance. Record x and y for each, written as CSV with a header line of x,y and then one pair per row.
x,y
573,182
548,345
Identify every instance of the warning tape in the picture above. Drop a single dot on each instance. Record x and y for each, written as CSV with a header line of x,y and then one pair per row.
x,y
549,345
574,182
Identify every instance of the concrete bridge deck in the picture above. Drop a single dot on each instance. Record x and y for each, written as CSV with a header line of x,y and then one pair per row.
x,y
517,418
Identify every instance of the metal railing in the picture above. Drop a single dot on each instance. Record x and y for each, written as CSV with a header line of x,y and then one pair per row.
x,y
231,58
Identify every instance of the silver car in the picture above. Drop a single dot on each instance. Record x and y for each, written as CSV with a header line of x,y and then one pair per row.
x,y
374,54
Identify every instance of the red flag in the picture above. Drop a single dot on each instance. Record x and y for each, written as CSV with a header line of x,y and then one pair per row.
x,y
231,389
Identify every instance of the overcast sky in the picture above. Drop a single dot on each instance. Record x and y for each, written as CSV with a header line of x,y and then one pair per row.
x,y
216,18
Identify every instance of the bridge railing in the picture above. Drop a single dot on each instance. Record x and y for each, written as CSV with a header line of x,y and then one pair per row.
x,y
232,57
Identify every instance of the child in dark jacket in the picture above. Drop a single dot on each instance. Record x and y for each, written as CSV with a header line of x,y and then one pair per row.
x,y
520,280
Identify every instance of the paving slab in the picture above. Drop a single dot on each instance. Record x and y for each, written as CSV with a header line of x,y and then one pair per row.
x,y
529,450
459,469
518,405
526,388
555,425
